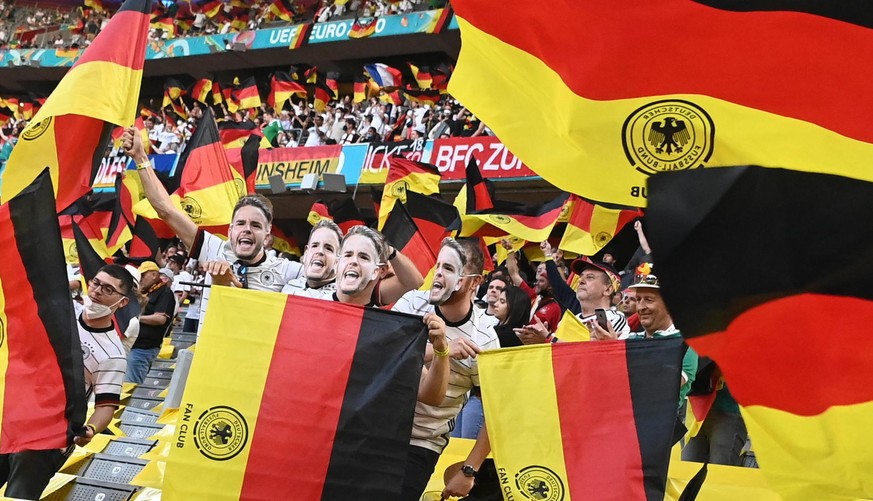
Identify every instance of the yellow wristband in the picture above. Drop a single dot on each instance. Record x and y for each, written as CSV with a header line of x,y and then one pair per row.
x,y
443,353
143,165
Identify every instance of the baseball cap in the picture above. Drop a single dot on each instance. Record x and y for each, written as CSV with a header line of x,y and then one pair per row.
x,y
583,263
644,278
148,266
167,272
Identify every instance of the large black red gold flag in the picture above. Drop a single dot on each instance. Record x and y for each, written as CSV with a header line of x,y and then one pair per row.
x,y
345,432
591,226
533,223
70,133
548,391
406,175
768,272
42,402
282,87
749,92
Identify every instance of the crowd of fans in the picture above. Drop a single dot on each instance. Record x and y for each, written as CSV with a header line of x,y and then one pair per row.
x,y
28,26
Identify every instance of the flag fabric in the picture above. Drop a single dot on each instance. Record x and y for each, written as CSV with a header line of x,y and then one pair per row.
x,y
240,22
205,186
402,233
363,30
345,213
217,97
42,403
68,239
479,191
323,95
301,36
145,245
531,223
592,226
434,218
247,95
384,75
355,377
421,75
211,9
282,87
359,89
429,96
164,23
201,89
788,336
599,120
619,452
406,175
283,242
571,329
121,222
311,75
441,76
331,82
173,88
97,5
282,9
71,131
317,212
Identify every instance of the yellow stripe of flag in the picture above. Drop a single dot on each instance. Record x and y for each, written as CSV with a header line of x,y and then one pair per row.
x,y
510,435
96,89
4,352
589,243
224,331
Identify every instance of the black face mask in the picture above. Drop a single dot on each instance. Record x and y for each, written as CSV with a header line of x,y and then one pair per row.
x,y
345,128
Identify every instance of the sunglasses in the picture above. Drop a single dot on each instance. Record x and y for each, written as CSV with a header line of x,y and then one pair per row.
x,y
647,280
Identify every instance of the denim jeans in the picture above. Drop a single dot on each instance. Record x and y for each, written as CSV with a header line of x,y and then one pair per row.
x,y
138,362
470,419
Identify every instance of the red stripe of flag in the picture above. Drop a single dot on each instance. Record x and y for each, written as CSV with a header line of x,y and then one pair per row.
x,y
323,366
611,428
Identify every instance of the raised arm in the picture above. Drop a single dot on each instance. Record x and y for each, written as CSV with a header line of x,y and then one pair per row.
x,y
562,292
155,192
406,277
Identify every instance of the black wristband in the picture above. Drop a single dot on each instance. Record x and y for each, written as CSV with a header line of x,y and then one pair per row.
x,y
393,253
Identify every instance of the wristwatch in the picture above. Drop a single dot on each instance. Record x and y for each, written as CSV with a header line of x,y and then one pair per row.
x,y
469,471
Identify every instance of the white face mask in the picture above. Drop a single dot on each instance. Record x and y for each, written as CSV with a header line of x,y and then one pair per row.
x,y
95,311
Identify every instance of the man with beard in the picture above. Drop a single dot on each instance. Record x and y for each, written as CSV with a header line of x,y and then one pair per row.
x,y
27,473
241,260
320,260
457,275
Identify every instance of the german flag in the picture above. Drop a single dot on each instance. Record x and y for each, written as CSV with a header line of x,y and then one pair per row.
x,y
211,9
179,109
421,75
173,89
97,5
123,218
683,115
184,23
282,242
71,131
331,83
236,134
43,402
418,227
323,96
406,175
317,212
391,98
592,226
282,9
345,213
441,76
201,89
531,223
205,185
360,90
311,75
480,192
356,375
548,390
6,115
145,245
247,95
429,96
363,30
240,22
804,402
301,36
164,23
282,87
216,93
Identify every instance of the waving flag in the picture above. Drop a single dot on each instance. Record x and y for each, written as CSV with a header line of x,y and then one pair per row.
x,y
805,402
406,175
356,378
749,92
592,226
384,75
70,133
42,402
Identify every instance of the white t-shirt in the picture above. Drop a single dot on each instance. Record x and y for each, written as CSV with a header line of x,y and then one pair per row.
x,y
271,274
105,361
432,424
616,318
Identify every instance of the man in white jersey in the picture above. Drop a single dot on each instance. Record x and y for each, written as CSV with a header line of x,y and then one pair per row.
x,y
27,473
241,260
457,275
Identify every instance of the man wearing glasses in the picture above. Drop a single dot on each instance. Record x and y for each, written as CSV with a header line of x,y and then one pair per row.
x,y
155,321
27,473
